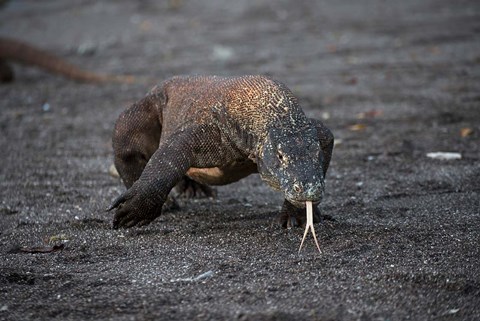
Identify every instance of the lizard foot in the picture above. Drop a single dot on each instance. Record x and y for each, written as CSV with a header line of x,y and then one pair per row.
x,y
291,216
6,72
189,188
170,204
135,208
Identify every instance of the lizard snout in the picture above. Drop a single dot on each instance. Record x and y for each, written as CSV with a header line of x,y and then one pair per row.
x,y
301,192
297,188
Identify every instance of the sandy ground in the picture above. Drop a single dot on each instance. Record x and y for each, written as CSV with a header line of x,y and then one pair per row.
x,y
394,80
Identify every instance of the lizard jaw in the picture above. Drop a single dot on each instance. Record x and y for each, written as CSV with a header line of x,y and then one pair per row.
x,y
300,203
299,193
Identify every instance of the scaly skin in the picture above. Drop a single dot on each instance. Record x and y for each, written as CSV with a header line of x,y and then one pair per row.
x,y
217,130
23,53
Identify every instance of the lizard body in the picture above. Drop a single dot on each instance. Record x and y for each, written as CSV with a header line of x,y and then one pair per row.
x,y
217,130
12,50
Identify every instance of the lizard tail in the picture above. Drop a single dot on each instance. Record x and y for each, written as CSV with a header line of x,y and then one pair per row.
x,y
23,53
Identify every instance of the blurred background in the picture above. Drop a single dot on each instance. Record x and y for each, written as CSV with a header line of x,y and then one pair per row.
x,y
350,47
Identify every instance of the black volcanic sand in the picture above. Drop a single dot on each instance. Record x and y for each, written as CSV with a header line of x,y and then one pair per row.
x,y
394,80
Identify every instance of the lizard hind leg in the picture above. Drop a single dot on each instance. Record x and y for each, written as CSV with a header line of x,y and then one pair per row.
x,y
6,72
189,188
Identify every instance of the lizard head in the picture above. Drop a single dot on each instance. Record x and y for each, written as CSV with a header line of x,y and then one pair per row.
x,y
291,161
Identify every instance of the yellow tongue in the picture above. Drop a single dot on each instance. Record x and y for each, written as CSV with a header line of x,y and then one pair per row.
x,y
309,225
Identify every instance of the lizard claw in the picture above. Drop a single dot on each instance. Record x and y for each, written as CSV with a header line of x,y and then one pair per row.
x,y
135,207
292,222
118,201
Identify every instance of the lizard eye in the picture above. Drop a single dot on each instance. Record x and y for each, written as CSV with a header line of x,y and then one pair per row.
x,y
280,156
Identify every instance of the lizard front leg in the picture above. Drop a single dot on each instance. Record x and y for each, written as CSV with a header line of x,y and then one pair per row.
x,y
291,216
143,201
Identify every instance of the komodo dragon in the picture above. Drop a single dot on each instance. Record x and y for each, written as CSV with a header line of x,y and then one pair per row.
x,y
217,130
12,50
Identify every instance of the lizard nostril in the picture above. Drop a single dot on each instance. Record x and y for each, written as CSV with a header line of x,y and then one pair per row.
x,y
297,188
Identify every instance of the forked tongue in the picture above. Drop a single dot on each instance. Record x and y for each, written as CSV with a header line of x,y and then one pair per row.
x,y
309,225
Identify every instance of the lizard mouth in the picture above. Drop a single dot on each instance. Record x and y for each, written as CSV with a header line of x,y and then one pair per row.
x,y
299,193
300,196
300,203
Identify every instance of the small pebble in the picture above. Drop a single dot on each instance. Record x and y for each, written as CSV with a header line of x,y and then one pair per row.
x,y
444,155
